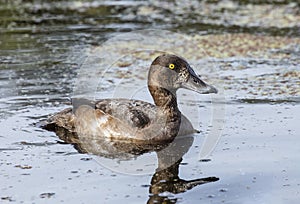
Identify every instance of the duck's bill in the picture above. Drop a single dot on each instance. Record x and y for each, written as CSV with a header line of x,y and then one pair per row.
x,y
196,84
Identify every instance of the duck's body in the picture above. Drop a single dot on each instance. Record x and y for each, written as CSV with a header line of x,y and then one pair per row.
x,y
132,116
134,119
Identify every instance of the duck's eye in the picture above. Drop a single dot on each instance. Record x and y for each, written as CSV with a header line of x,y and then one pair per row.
x,y
171,66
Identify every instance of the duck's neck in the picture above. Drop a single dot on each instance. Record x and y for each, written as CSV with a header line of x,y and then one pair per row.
x,y
166,101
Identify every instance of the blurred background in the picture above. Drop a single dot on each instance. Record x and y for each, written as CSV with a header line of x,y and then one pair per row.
x,y
45,32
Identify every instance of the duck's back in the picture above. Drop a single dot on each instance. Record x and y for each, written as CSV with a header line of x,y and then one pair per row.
x,y
135,113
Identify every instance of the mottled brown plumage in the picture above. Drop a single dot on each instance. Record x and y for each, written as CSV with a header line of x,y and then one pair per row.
x,y
136,120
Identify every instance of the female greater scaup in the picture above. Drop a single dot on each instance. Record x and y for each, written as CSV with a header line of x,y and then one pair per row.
x,y
136,120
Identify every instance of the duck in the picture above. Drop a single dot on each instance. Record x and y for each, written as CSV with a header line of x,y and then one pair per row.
x,y
136,120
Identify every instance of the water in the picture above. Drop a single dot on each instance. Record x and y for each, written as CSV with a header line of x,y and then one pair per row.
x,y
248,49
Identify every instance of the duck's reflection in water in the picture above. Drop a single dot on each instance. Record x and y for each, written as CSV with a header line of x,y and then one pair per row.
x,y
166,178
169,156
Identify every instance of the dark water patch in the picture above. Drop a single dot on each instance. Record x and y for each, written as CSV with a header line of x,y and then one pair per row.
x,y
66,153
7,198
9,149
46,195
204,160
295,100
86,159
23,166
37,144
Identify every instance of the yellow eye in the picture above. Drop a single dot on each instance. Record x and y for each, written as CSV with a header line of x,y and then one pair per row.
x,y
171,66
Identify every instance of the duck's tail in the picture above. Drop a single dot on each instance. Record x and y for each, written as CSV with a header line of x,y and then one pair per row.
x,y
63,119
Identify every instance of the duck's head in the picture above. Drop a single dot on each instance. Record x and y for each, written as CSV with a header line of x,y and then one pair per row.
x,y
172,72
